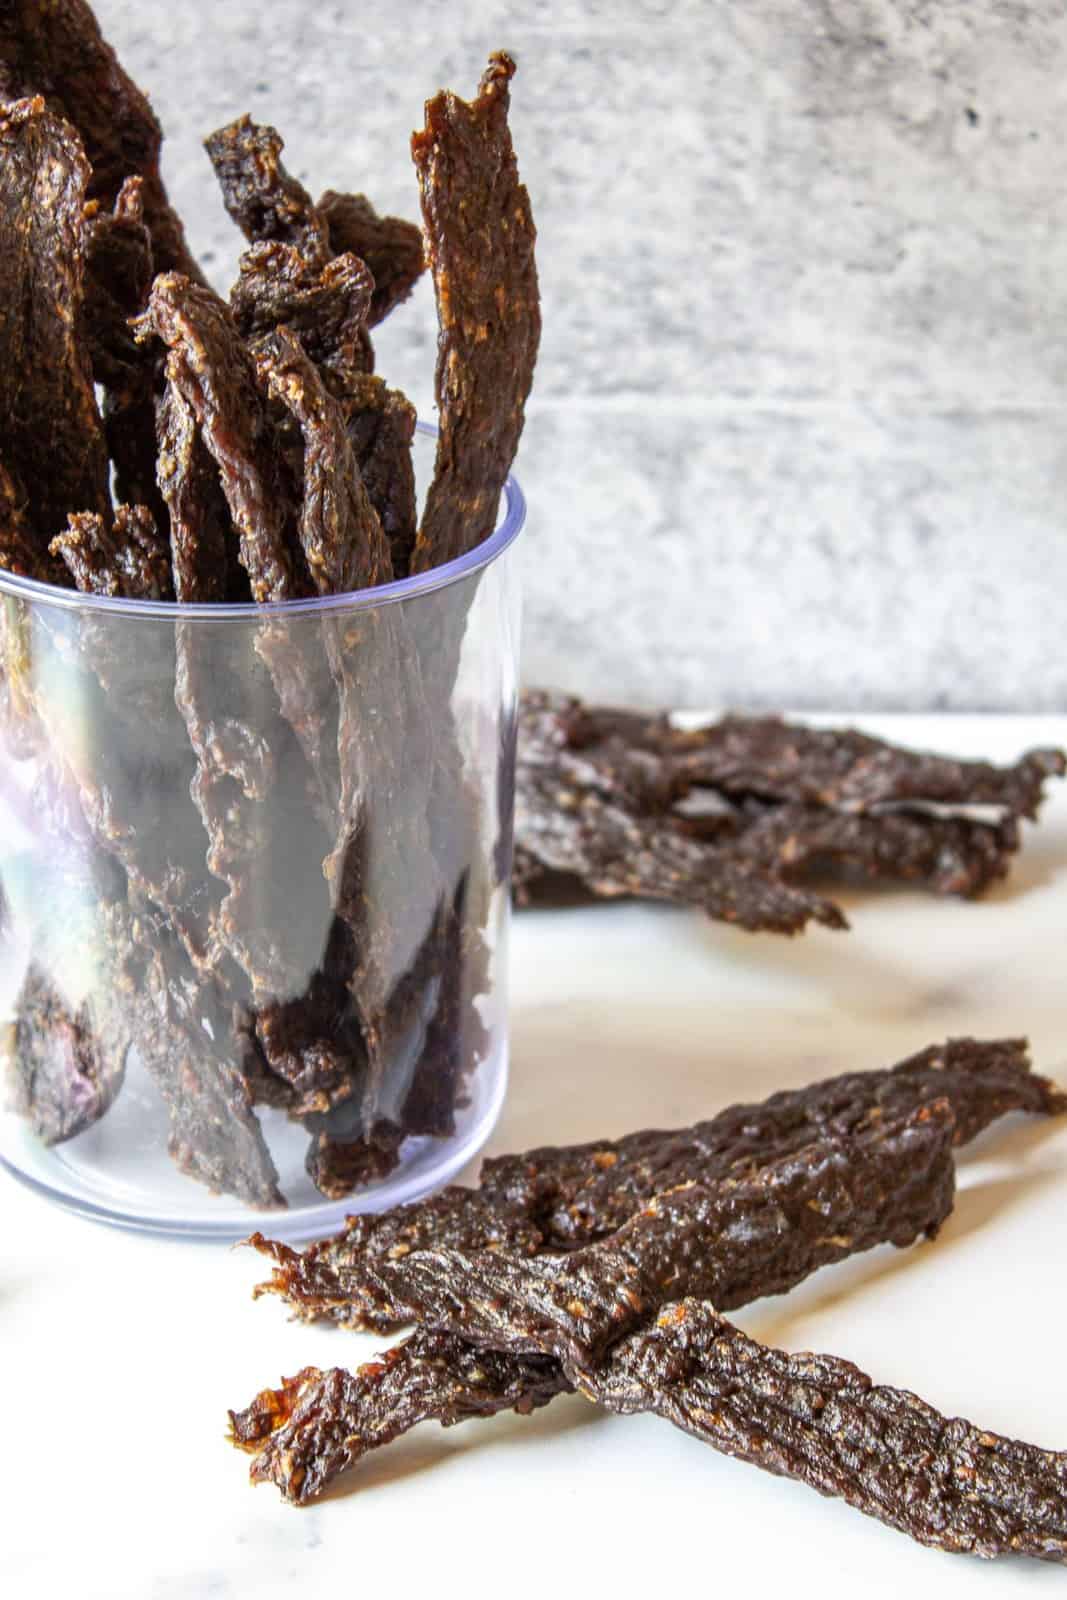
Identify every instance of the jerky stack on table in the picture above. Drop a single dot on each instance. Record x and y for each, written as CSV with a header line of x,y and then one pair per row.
x,y
288,864
605,1268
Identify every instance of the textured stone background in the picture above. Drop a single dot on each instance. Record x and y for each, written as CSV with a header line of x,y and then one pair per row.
x,y
799,434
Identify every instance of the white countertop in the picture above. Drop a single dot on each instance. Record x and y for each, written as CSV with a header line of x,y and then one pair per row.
x,y
122,1353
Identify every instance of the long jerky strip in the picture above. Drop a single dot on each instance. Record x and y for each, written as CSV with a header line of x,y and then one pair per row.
x,y
381,429
203,543
820,1420
837,1202
480,239
264,200
714,1240
391,247
20,551
559,1199
130,559
53,438
57,50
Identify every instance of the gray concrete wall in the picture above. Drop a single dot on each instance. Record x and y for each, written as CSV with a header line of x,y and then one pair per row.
x,y
799,430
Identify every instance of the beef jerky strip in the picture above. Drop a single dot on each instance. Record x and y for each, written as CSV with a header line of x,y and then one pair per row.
x,y
318,1424
822,1421
63,1075
118,280
52,434
480,240
812,1207
391,247
381,430
20,552
264,200
182,1024
56,50
771,759
214,373
204,549
324,305
130,559
559,1199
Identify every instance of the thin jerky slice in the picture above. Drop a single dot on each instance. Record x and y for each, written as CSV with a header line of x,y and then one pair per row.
x,y
727,1241
324,304
57,50
20,552
182,1026
53,437
130,559
391,247
559,1199
381,430
318,1424
480,239
210,367
341,536
203,542
823,1422
63,1076
264,200
119,276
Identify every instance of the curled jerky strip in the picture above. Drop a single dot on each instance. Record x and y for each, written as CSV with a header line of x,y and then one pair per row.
x,y
562,1198
820,1420
747,1239
53,439
130,559
391,247
480,240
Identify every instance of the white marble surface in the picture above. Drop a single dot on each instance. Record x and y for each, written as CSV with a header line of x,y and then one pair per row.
x,y
800,405
121,1354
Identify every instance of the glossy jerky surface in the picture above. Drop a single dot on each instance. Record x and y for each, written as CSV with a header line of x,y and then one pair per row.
x,y
324,304
53,438
203,541
562,1198
823,1422
130,559
381,430
318,1424
391,247
480,241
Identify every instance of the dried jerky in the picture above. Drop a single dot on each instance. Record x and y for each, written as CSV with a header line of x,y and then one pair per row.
x,y
559,1199
823,1422
324,304
264,200
210,367
57,50
20,551
779,1227
381,430
480,238
341,536
63,1074
182,1024
53,437
130,559
391,247
727,1241
203,542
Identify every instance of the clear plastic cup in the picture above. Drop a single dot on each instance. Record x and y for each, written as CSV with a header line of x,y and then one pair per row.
x,y
254,872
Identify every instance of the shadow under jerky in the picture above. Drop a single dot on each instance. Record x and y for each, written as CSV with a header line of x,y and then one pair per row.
x,y
739,1239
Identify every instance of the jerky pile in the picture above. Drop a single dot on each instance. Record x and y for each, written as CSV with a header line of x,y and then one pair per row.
x,y
606,1268
732,817
272,822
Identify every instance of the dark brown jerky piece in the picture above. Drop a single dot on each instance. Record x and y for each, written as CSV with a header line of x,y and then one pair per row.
x,y
182,1026
118,279
63,1076
802,1214
822,1421
264,200
214,373
53,438
381,429
480,238
559,1199
341,536
391,247
204,546
317,1424
770,759
324,304
343,1158
727,1241
130,559
20,551
57,50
